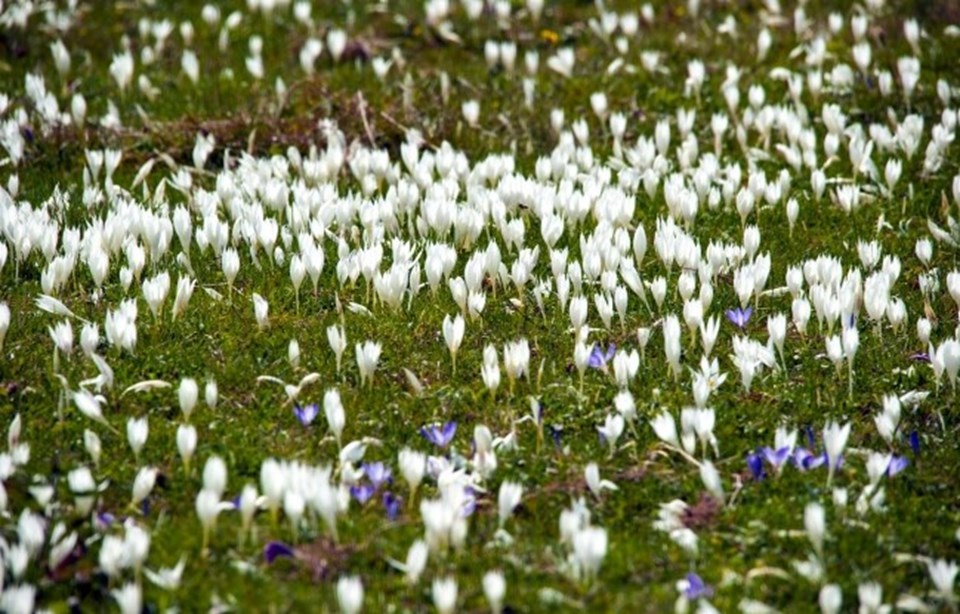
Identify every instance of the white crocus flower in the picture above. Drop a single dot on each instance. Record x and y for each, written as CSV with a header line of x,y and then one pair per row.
x,y
260,311
595,484
187,395
368,355
445,595
508,498
137,431
350,594
453,329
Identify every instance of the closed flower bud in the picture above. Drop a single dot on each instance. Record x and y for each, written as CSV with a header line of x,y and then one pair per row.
x,y
186,443
187,395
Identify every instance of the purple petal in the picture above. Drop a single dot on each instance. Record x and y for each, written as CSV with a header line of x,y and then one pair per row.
x,y
897,464
377,473
776,457
697,588
739,317
806,460
392,504
799,456
274,550
611,351
469,502
755,464
555,434
438,435
449,430
915,443
817,461
362,492
306,414
596,360
104,520
429,433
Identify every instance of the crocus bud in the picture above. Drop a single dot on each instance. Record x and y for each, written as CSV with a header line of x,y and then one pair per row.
x,y
4,322
471,112
137,431
83,488
350,594
368,355
211,394
416,561
91,441
338,343
143,485
260,311
215,475
508,499
445,595
412,467
187,395
494,588
293,353
208,508
186,443
831,598
453,329
333,409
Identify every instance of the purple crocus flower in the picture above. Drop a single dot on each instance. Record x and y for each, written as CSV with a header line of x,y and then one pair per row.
x,y
307,413
697,588
392,504
362,492
915,443
740,317
440,435
469,502
755,464
104,520
897,464
274,550
805,460
555,434
920,357
776,457
599,358
377,473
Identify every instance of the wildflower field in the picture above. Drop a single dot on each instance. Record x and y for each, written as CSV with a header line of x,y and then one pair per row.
x,y
479,305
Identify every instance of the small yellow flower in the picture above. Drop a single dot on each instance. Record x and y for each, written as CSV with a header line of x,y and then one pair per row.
x,y
550,36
